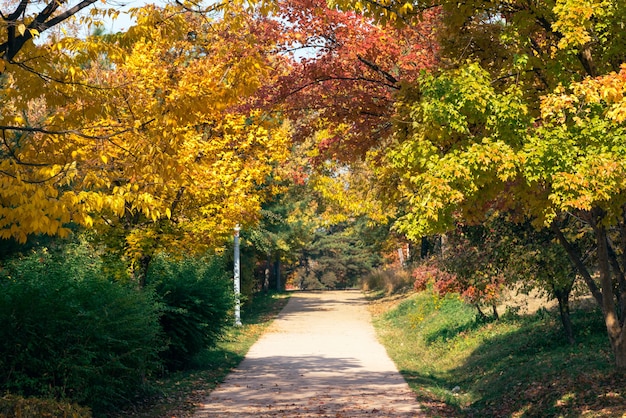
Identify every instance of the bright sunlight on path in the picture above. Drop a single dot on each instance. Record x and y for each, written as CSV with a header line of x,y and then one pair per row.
x,y
320,358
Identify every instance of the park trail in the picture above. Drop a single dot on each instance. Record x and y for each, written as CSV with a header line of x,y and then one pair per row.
x,y
319,358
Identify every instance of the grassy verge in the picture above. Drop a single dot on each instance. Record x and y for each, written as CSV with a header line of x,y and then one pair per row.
x,y
520,366
177,394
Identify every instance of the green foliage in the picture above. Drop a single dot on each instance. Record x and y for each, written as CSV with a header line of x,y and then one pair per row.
x,y
69,333
457,153
197,300
178,391
338,256
17,406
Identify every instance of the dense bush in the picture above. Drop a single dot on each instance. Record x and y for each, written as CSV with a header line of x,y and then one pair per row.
x,y
68,333
197,300
17,406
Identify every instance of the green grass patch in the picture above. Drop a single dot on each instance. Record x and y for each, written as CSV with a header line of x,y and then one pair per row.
x,y
519,366
178,393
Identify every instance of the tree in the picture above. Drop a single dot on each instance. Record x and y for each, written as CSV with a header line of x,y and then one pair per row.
x,y
474,256
526,115
160,141
337,256
459,156
345,71
537,261
577,156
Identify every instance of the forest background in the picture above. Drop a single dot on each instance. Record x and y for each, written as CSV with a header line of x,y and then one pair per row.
x,y
477,147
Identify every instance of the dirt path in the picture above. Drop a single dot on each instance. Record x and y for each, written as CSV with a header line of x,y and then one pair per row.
x,y
320,358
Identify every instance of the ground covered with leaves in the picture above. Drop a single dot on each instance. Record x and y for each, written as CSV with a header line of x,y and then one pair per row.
x,y
519,366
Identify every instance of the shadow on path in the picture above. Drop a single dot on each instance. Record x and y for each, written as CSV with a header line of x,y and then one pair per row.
x,y
320,358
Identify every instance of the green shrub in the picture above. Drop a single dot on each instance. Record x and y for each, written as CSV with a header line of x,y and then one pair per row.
x,y
197,301
17,406
67,333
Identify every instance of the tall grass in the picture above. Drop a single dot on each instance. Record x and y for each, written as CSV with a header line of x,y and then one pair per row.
x,y
387,281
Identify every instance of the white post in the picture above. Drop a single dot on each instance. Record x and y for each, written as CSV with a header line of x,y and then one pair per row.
x,y
237,280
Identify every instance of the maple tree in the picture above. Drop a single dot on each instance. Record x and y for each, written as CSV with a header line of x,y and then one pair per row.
x,y
345,71
524,116
577,158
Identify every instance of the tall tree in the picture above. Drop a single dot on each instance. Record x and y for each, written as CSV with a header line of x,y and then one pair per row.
x,y
345,71
524,116
151,131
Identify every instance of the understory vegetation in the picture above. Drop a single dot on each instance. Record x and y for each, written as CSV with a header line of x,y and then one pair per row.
x,y
177,393
520,365
76,333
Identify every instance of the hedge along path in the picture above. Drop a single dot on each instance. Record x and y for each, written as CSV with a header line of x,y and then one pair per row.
x,y
320,358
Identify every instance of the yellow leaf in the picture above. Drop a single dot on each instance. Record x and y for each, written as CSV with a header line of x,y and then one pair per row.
x,y
104,158
21,28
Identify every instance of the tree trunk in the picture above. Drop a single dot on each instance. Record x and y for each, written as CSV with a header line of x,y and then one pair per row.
x,y
444,244
277,273
562,295
496,316
577,261
401,257
266,275
611,319
618,274
619,350
481,314
605,295
141,270
424,248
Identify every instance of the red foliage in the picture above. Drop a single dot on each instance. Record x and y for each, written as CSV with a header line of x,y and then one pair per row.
x,y
447,284
475,292
345,70
429,273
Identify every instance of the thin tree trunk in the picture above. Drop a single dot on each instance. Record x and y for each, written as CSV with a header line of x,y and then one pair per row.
x,y
576,259
401,257
277,273
562,296
141,270
266,275
481,314
424,248
620,290
496,316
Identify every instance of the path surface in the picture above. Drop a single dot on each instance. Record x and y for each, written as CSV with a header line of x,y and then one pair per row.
x,y
320,358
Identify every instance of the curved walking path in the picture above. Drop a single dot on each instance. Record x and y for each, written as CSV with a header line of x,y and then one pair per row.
x,y
319,358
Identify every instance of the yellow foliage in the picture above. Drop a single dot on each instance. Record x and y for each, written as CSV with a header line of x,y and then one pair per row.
x,y
153,125
576,18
